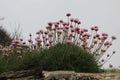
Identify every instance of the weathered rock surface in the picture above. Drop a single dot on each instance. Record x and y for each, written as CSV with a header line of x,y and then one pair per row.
x,y
57,75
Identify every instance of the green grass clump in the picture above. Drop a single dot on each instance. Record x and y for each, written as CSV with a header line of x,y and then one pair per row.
x,y
58,57
5,38
112,70
63,57
69,57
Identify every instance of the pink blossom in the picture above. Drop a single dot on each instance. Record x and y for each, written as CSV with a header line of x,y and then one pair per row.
x,y
69,41
47,44
50,23
29,40
113,52
18,51
68,14
41,31
113,37
103,50
77,29
72,19
72,29
61,21
59,31
110,65
106,43
21,39
104,34
15,41
108,55
46,32
38,32
30,34
76,20
92,28
5,55
38,40
97,35
4,49
50,34
102,60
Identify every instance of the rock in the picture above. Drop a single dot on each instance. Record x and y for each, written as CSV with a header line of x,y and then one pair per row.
x,y
28,74
37,74
58,74
117,78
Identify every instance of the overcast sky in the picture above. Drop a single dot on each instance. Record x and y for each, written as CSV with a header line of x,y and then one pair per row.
x,y
33,15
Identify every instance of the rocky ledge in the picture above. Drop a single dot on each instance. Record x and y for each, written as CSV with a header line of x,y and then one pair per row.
x,y
57,75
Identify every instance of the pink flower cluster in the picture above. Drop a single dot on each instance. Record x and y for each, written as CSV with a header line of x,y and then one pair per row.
x,y
17,47
68,32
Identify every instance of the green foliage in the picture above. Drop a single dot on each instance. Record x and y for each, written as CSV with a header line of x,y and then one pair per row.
x,y
63,57
112,70
58,57
13,62
69,57
5,38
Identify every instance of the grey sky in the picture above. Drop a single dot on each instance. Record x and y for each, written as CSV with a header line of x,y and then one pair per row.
x,y
34,15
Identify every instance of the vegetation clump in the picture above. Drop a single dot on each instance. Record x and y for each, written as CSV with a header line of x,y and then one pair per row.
x,y
5,38
62,46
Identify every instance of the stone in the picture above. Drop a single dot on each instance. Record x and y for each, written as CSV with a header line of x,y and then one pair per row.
x,y
117,77
57,74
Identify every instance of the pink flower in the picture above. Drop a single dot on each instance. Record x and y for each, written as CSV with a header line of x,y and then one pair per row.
x,y
38,40
41,31
66,27
95,41
47,44
68,14
61,21
56,24
30,41
59,32
104,34
113,52
72,29
18,52
108,55
106,43
46,32
76,20
72,19
97,35
21,39
4,49
77,29
69,41
5,55
38,32
92,28
50,23
110,65
30,34
103,50
102,60
113,37
50,34
48,27
15,41
50,41
96,28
